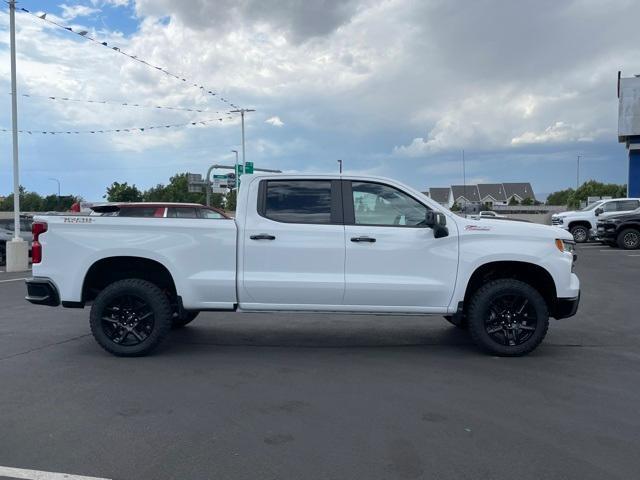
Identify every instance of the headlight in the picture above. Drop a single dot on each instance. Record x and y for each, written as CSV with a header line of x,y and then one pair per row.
x,y
565,245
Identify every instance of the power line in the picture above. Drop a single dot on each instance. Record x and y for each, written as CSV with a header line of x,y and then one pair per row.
x,y
119,103
85,34
118,130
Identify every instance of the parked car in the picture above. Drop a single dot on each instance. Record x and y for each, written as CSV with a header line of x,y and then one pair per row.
x,y
487,214
157,210
320,243
622,230
581,223
7,233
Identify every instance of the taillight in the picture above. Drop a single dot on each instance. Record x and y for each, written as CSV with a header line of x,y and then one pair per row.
x,y
37,229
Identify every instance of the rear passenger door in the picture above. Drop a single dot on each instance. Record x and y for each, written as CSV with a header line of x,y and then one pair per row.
x,y
294,248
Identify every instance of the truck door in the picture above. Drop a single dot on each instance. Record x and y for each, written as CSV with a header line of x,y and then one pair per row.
x,y
294,248
393,261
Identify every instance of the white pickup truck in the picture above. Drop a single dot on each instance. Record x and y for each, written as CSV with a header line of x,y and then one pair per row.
x,y
314,244
582,223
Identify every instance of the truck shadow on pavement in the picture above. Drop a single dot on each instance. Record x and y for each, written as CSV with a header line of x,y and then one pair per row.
x,y
317,331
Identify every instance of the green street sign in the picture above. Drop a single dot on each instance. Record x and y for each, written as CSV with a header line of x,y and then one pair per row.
x,y
249,168
239,170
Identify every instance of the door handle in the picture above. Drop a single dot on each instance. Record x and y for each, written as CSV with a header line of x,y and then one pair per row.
x,y
262,236
363,239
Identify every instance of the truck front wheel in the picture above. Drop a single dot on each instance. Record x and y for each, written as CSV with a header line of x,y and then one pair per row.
x,y
508,317
131,317
580,233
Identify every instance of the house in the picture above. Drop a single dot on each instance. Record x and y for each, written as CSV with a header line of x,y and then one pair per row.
x,y
465,194
492,194
442,195
518,191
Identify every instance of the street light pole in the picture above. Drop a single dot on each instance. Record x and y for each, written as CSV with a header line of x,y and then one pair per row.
x,y
14,121
17,249
242,111
578,173
236,165
340,163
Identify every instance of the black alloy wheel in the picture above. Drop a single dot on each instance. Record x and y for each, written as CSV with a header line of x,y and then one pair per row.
x,y
127,320
512,319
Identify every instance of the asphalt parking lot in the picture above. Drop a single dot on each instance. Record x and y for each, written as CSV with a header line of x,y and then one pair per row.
x,y
328,397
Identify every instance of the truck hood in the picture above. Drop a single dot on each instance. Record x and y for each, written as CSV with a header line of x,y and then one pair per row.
x,y
512,229
564,214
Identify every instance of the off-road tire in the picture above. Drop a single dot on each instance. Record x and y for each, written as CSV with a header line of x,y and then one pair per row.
x,y
629,239
478,313
179,320
583,233
157,302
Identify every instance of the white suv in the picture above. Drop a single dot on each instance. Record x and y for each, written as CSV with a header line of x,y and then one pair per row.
x,y
582,223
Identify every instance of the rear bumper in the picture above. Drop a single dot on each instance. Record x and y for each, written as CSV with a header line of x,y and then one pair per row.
x,y
566,307
42,291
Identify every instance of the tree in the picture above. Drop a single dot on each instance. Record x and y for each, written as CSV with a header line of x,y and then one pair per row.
x,y
178,191
123,192
513,201
230,201
455,207
596,189
561,197
527,201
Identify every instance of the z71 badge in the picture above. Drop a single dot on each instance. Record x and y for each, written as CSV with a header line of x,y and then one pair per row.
x,y
78,220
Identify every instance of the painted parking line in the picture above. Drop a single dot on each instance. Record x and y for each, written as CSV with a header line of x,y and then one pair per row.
x,y
25,474
13,280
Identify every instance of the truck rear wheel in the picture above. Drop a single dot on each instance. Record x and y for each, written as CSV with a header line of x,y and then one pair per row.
x,y
629,239
508,318
130,318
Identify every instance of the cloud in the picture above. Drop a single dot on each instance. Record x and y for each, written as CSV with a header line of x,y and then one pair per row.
x,y
275,121
70,12
556,133
297,20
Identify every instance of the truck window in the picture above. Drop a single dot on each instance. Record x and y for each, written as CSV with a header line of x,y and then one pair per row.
x,y
377,204
206,213
298,201
182,212
626,205
137,212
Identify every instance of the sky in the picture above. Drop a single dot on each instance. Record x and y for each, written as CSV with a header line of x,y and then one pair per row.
x,y
396,88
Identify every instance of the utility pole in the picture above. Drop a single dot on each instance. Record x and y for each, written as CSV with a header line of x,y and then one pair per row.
x,y
58,198
578,173
17,250
242,111
340,163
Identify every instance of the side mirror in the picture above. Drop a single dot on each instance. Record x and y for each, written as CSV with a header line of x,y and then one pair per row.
x,y
599,211
438,222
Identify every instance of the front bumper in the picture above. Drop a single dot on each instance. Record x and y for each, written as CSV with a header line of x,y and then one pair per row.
x,y
566,307
42,291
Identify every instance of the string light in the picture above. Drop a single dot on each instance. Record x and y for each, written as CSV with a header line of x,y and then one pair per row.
x,y
119,130
118,103
85,34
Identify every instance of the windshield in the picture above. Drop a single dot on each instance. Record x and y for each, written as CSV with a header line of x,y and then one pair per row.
x,y
590,207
